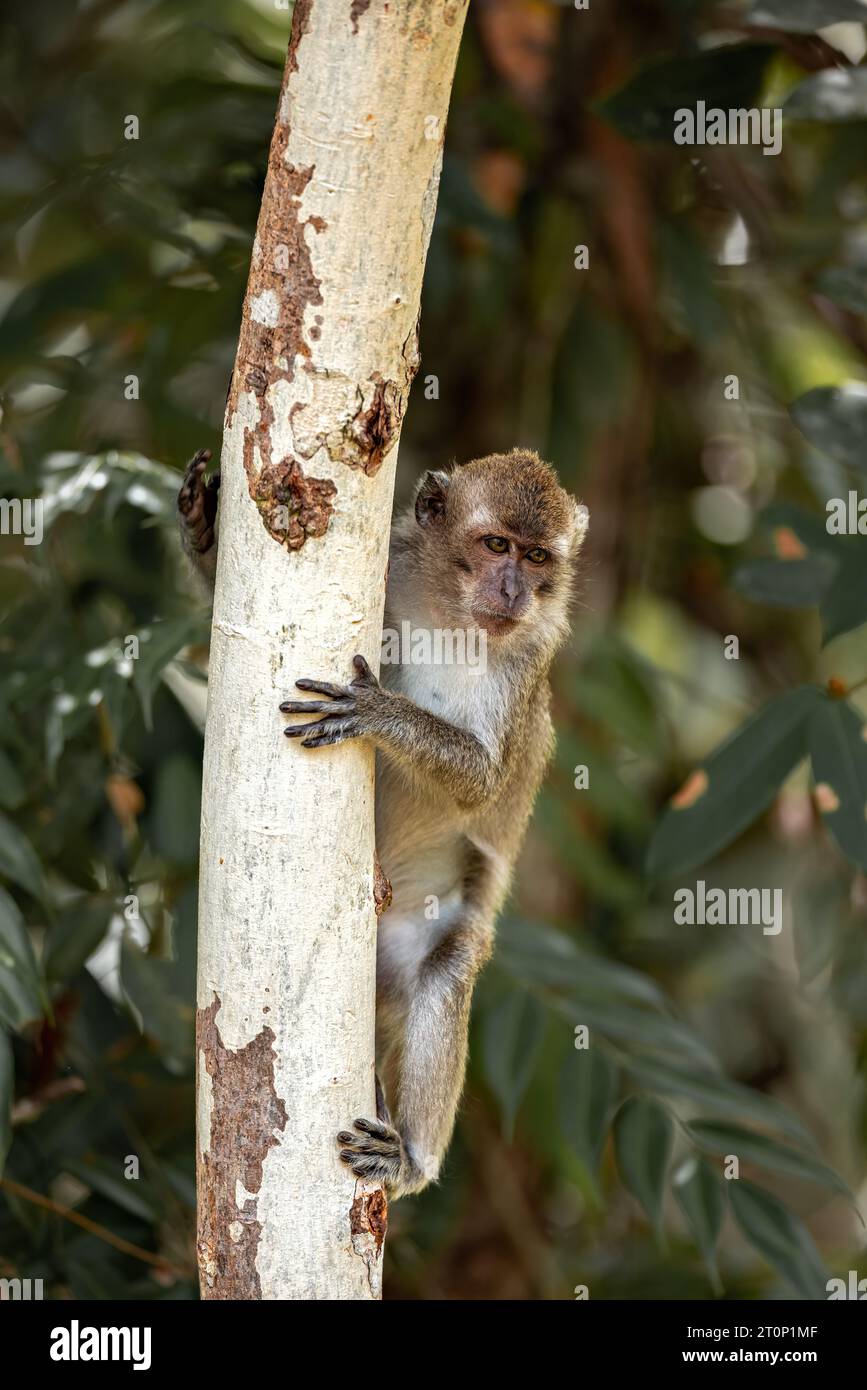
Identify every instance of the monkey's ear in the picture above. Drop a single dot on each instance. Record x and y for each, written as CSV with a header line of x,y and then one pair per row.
x,y
582,522
430,499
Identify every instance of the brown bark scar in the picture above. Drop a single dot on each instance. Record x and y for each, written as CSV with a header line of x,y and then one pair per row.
x,y
358,8
293,506
371,434
381,888
245,1113
282,285
368,1223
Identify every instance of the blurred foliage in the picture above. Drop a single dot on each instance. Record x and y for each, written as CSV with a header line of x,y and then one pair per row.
x,y
617,1057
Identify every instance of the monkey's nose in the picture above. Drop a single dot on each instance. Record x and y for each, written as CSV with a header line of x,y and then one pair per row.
x,y
512,593
510,588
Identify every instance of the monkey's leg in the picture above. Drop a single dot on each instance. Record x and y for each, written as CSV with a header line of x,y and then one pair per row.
x,y
406,1156
197,516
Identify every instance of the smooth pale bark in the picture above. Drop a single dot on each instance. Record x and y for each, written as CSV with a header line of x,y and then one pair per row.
x,y
286,915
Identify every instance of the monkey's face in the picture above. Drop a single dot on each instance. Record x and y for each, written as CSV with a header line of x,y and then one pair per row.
x,y
501,537
507,574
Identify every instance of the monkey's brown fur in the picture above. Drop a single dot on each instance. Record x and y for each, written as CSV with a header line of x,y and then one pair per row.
x,y
460,756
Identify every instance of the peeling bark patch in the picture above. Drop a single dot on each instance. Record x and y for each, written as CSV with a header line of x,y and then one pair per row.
x,y
292,506
381,888
245,1112
376,428
300,25
281,283
281,278
359,7
368,1223
368,1216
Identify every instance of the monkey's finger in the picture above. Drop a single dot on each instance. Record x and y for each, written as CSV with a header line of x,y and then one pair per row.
x,y
378,1131
196,466
364,671
337,692
299,730
317,707
190,492
331,731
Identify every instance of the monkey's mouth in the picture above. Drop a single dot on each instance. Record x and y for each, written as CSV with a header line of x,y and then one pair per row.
x,y
495,623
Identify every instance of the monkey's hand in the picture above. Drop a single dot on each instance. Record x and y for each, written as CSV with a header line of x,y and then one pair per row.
x,y
453,758
197,505
352,711
375,1150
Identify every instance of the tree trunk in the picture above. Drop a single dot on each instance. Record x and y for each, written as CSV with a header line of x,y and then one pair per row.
x,y
327,351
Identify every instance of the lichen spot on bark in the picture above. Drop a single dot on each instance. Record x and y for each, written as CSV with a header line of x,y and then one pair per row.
x,y
245,1116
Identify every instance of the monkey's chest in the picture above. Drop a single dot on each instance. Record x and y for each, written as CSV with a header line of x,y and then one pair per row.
x,y
462,694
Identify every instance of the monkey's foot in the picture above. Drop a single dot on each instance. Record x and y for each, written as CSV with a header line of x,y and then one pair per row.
x,y
376,1151
197,503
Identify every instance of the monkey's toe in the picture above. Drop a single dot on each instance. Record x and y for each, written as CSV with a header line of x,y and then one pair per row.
x,y
373,1151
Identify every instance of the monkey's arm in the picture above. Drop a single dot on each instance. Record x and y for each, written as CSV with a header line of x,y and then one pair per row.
x,y
452,757
197,517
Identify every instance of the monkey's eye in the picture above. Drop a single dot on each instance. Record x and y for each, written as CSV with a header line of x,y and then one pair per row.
x,y
498,544
537,555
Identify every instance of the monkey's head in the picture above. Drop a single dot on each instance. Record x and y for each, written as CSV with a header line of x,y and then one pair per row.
x,y
499,540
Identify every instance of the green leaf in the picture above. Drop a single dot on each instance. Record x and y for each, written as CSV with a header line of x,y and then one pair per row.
x,y
165,1016
751,1147
838,751
845,604
588,1085
837,94
785,583
75,935
106,1177
736,784
176,809
643,1137
22,995
834,419
807,527
18,860
846,286
511,1039
718,1094
7,1090
727,77
803,16
159,646
12,790
649,1030
819,910
780,1237
701,1197
533,952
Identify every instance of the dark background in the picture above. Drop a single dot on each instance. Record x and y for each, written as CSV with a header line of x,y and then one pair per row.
x,y
600,1167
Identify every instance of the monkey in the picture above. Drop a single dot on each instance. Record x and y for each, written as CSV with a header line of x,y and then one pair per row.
x,y
488,547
